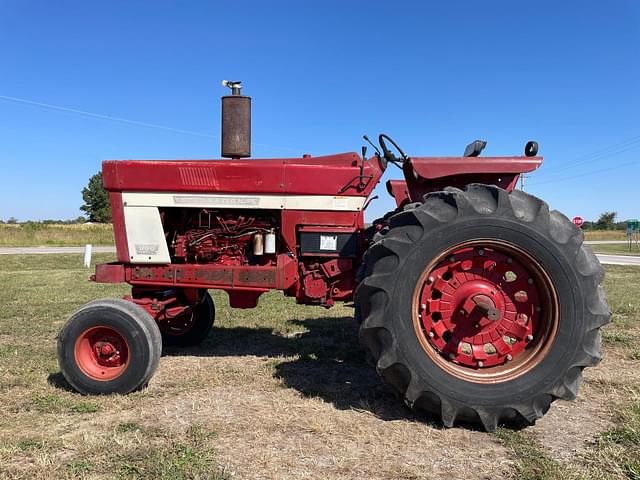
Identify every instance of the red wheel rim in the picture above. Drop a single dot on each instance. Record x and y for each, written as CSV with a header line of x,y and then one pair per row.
x,y
485,311
102,353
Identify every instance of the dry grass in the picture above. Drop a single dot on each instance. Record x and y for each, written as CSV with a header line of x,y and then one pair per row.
x,y
282,391
59,235
605,235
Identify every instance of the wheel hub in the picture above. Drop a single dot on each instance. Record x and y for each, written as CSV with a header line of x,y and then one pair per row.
x,y
479,307
107,352
101,353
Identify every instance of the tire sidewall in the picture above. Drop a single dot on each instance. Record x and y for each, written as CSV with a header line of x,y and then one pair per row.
x,y
552,258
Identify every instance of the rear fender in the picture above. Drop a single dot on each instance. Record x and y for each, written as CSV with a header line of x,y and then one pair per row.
x,y
429,174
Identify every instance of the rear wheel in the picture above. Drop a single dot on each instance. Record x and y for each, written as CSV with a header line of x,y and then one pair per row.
x,y
109,346
482,306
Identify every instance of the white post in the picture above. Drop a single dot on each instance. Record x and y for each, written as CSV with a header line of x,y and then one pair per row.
x,y
87,255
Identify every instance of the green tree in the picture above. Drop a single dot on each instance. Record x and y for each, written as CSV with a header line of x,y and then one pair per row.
x,y
606,221
96,200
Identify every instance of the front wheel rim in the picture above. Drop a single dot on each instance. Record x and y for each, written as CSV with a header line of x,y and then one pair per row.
x,y
102,353
485,311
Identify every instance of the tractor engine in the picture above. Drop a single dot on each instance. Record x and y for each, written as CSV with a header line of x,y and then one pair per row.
x,y
224,237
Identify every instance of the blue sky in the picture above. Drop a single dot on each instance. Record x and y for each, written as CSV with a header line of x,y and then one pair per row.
x,y
434,75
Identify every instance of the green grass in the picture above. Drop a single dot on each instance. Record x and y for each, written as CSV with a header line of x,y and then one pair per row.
x,y
532,462
39,234
620,445
52,403
189,457
616,249
622,284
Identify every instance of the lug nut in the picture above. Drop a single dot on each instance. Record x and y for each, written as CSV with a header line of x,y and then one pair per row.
x,y
509,357
480,252
431,280
452,356
529,338
530,281
452,258
509,260
538,308
461,312
423,306
430,334
481,364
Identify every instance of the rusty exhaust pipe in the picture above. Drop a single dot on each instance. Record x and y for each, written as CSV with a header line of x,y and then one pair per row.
x,y
236,122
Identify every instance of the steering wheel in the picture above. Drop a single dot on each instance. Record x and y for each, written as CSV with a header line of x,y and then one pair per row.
x,y
388,154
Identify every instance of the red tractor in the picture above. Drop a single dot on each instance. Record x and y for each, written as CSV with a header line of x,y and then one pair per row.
x,y
475,301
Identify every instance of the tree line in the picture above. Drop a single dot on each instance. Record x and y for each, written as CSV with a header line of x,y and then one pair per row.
x,y
606,221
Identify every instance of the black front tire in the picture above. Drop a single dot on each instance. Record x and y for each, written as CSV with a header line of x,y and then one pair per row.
x,y
132,324
415,237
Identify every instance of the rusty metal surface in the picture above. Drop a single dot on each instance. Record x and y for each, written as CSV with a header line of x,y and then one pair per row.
x,y
236,126
213,276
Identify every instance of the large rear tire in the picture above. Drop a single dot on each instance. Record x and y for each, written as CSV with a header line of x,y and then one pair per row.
x,y
109,346
482,306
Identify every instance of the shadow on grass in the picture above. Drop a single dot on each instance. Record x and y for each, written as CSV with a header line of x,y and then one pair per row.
x,y
329,363
57,380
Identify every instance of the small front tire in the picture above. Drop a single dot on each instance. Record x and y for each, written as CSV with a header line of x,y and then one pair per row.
x,y
109,346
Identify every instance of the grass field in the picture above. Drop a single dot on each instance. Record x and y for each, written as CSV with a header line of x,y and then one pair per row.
x,y
39,234
616,249
283,392
605,235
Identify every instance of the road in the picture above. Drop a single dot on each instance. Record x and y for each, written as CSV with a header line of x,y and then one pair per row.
x,y
603,242
34,250
618,259
606,259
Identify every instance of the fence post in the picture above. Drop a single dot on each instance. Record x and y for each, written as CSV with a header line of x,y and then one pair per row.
x,y
87,255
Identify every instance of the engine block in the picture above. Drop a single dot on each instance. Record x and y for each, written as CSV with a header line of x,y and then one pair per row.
x,y
218,236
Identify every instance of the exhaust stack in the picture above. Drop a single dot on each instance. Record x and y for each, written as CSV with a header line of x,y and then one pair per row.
x,y
236,122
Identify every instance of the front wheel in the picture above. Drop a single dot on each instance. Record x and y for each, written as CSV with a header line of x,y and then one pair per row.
x,y
482,306
109,346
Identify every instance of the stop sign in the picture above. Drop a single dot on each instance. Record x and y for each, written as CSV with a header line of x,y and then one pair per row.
x,y
578,221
